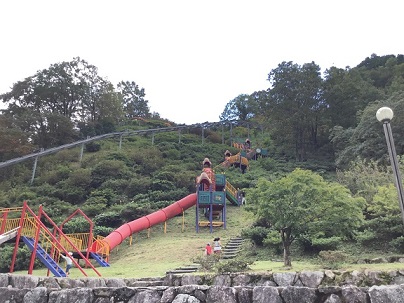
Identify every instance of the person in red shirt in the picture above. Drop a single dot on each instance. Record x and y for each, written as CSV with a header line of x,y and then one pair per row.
x,y
208,249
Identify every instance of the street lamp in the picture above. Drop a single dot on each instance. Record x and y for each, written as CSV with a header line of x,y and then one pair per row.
x,y
384,115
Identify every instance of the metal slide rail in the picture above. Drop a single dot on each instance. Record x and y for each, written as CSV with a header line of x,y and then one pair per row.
x,y
121,134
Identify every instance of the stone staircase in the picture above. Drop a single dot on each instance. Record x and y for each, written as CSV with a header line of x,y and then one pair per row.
x,y
231,249
184,269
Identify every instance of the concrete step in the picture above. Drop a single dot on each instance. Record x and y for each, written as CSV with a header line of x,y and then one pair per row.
x,y
180,271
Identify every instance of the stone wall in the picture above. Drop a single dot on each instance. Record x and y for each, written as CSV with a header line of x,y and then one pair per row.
x,y
288,287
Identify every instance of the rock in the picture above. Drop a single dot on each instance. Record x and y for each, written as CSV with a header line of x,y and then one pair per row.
x,y
241,280
76,295
3,280
12,295
298,294
181,298
115,283
285,278
389,294
333,299
353,294
311,278
36,295
146,296
169,294
222,280
265,294
221,295
23,281
190,279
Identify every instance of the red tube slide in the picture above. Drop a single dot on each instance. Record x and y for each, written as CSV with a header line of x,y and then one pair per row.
x,y
117,236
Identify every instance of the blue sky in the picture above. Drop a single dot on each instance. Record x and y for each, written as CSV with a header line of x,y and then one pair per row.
x,y
193,57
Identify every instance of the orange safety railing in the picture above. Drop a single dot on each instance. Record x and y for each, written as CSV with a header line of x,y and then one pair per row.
x,y
100,246
231,189
82,240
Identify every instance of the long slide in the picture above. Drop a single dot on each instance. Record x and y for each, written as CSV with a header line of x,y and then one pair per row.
x,y
8,235
121,233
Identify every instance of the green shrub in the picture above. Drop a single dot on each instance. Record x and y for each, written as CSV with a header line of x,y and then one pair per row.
x,y
207,263
332,259
109,219
102,231
92,147
22,261
76,225
233,265
329,243
397,243
257,234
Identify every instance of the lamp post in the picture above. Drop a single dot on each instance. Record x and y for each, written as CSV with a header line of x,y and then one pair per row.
x,y
384,115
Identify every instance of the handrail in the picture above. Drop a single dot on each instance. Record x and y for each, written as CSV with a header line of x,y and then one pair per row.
x,y
41,227
230,188
120,134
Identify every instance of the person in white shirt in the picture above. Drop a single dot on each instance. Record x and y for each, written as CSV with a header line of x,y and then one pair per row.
x,y
69,262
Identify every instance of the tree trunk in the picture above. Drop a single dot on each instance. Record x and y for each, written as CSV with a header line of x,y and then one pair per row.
x,y
286,248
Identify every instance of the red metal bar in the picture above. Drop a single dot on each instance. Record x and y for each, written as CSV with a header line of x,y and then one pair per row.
x,y
90,237
36,239
74,246
57,242
17,238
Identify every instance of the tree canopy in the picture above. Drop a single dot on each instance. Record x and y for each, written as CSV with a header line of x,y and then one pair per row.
x,y
304,205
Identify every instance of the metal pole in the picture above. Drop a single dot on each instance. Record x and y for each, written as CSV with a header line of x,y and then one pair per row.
x,y
34,169
394,164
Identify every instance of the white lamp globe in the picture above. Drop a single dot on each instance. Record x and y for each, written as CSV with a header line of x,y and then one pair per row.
x,y
384,114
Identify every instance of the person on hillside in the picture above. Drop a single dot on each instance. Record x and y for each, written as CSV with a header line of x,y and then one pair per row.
x,y
207,168
69,262
208,249
217,246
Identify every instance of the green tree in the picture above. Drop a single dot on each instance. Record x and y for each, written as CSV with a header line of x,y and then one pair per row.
x,y
303,204
243,107
49,104
363,177
367,140
346,93
133,100
295,106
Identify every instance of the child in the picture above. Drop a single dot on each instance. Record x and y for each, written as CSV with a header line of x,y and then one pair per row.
x,y
208,249
217,246
69,262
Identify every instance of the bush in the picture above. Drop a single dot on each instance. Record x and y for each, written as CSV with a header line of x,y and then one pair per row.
x,y
93,147
256,234
332,259
102,231
207,263
109,219
234,265
22,261
397,243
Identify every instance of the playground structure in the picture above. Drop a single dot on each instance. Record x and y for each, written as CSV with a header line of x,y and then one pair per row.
x,y
48,243
246,153
235,160
249,152
212,191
